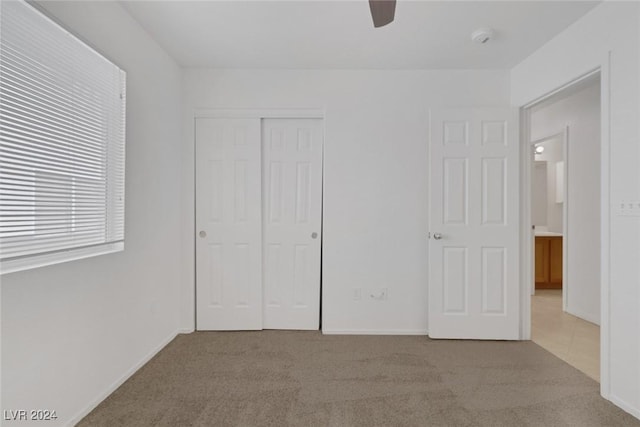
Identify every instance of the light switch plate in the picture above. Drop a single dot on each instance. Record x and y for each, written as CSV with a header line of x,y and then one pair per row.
x,y
627,208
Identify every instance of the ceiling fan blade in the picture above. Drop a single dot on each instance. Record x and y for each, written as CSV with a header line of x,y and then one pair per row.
x,y
382,11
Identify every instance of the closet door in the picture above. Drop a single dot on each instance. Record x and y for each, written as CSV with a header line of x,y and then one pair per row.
x,y
292,218
228,224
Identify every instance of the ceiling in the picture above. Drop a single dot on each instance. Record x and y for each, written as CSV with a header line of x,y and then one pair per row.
x,y
339,34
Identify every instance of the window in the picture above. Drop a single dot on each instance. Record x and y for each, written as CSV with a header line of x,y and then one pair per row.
x,y
62,131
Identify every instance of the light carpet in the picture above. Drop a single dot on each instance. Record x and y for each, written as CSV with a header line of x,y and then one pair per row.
x,y
299,378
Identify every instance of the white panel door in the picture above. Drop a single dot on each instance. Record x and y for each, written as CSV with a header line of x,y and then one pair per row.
x,y
473,250
292,216
228,224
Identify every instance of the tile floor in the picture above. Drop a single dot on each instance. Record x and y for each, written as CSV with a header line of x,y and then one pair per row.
x,y
570,338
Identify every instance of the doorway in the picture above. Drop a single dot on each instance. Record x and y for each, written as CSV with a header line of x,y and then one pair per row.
x,y
258,223
548,211
563,133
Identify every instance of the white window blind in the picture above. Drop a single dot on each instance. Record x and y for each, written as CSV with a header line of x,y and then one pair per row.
x,y
62,132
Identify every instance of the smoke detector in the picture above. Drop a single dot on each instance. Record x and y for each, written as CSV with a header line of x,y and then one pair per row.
x,y
482,35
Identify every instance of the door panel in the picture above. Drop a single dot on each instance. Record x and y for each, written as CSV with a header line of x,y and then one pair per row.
x,y
473,286
228,224
494,183
455,194
494,284
455,280
292,165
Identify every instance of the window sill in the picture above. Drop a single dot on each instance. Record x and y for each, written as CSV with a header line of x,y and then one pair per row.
x,y
36,261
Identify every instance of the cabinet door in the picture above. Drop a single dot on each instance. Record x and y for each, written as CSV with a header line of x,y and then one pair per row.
x,y
542,260
555,261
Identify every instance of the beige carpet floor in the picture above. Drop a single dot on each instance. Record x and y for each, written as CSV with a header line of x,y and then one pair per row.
x,y
286,378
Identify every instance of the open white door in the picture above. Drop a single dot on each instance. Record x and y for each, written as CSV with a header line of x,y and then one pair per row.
x,y
292,218
473,252
228,224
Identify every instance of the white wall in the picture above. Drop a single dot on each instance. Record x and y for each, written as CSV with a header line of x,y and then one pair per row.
x,y
581,113
539,200
610,29
375,205
72,331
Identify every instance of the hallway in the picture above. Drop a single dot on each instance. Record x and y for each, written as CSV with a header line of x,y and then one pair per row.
x,y
568,337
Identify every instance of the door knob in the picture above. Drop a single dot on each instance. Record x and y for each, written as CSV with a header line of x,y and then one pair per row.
x,y
437,236
314,235
202,234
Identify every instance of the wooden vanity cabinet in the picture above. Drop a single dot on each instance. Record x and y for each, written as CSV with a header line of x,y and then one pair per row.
x,y
548,255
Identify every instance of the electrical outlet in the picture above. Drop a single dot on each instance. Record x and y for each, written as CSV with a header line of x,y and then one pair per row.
x,y
378,294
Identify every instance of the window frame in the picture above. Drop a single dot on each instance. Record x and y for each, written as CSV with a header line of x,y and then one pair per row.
x,y
82,250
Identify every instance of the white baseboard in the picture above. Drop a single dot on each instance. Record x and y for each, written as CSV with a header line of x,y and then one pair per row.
x,y
95,402
374,332
585,316
625,406
186,330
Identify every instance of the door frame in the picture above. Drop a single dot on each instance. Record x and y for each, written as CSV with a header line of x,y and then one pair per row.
x,y
259,114
526,256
